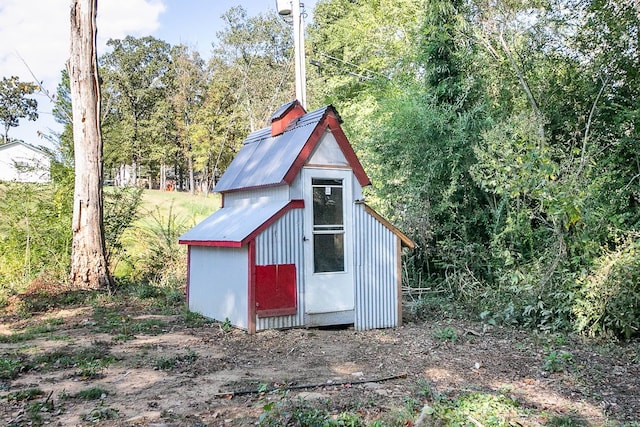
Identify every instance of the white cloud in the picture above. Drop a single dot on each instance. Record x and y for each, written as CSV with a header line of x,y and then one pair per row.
x,y
38,32
120,18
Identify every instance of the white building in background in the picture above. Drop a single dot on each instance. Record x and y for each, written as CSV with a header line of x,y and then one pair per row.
x,y
23,162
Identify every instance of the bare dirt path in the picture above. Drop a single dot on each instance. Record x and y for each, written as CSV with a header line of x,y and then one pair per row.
x,y
176,370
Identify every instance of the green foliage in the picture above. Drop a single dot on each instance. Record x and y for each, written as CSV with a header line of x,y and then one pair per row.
x,y
27,394
608,302
446,334
101,413
161,260
32,331
35,229
169,363
93,393
121,209
498,148
226,326
302,413
15,103
35,233
485,409
556,361
10,367
195,320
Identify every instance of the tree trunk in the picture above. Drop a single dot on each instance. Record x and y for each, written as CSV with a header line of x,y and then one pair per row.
x,y
89,267
192,181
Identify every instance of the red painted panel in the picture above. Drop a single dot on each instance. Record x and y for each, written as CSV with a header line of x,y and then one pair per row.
x,y
276,290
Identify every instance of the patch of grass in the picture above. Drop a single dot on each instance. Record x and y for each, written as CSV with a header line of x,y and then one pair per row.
x,y
32,331
90,361
27,394
44,298
433,306
111,320
446,334
35,410
101,413
303,413
476,408
402,415
565,421
93,393
10,367
195,320
557,361
171,362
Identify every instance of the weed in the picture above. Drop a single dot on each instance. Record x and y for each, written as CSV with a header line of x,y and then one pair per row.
x,y
301,413
170,363
93,393
90,360
557,361
226,326
564,421
9,368
425,390
446,334
195,320
32,331
35,410
101,413
27,394
484,408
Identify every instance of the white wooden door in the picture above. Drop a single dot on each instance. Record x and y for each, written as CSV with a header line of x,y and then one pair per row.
x,y
328,240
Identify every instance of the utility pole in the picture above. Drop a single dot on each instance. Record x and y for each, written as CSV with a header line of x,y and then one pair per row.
x,y
293,9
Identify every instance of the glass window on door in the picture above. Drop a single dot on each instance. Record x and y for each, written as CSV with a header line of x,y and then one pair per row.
x,y
328,225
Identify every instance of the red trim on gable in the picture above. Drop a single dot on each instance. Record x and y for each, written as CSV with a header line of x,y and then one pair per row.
x,y
220,243
329,121
348,152
293,204
305,153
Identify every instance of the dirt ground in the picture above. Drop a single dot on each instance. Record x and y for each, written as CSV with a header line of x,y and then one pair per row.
x,y
175,370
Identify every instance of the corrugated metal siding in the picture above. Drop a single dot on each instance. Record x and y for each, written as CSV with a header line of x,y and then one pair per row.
x,y
251,197
282,243
376,255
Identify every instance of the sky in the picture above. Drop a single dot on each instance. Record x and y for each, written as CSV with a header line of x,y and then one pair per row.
x,y
34,38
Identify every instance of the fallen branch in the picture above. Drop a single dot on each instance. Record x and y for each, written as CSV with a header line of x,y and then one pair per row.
x,y
305,386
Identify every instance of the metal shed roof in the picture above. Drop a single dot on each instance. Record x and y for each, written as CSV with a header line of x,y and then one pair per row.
x,y
234,226
266,160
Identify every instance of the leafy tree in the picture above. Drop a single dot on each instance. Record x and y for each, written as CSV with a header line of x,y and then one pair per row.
x,y
137,77
257,53
15,103
187,97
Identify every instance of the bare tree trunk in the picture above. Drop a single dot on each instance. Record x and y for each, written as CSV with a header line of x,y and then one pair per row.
x,y
89,267
192,181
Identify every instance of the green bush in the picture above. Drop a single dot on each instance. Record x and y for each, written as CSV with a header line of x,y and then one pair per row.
x,y
161,260
608,303
35,233
35,230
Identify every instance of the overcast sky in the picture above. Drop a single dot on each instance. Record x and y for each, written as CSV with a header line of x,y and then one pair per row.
x,y
35,34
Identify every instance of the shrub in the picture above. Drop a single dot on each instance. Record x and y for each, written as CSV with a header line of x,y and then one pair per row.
x,y
608,303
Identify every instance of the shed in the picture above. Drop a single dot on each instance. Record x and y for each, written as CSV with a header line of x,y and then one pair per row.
x,y
23,162
294,244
